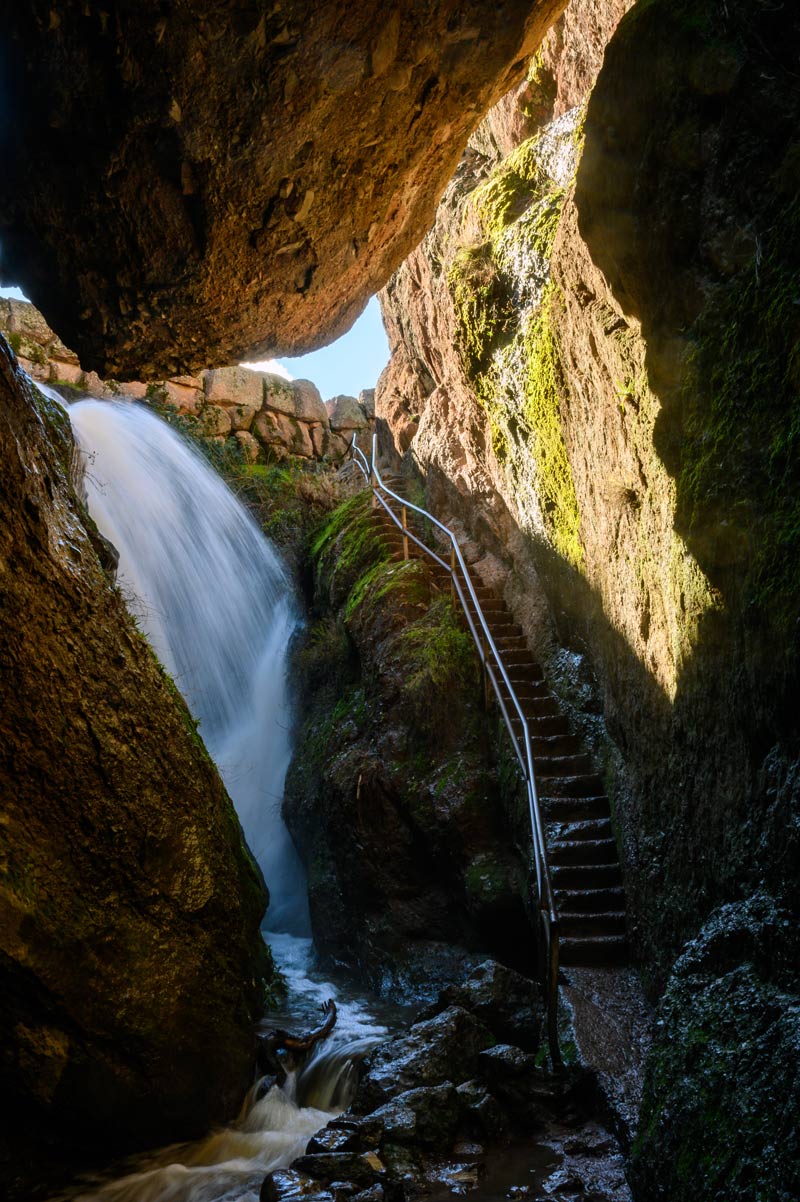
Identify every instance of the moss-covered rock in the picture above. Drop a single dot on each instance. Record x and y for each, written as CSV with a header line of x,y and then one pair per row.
x,y
391,797
719,1118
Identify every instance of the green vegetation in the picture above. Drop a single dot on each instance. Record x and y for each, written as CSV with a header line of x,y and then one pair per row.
x,y
439,658
510,189
555,486
484,309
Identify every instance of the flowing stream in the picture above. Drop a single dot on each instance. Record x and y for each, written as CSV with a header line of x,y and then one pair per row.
x,y
213,599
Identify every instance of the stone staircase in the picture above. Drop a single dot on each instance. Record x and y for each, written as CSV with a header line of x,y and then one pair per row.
x,y
582,852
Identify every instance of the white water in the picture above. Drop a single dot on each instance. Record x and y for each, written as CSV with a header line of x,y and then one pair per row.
x,y
230,1165
215,603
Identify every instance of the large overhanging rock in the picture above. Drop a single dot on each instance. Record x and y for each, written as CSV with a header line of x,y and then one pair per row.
x,y
186,184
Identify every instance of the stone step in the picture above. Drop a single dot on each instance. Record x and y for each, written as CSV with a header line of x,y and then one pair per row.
x,y
543,706
598,922
585,876
563,765
509,642
503,630
549,746
589,901
588,950
584,784
596,827
572,809
583,851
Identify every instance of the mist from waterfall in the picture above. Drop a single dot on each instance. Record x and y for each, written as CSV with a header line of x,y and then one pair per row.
x,y
214,601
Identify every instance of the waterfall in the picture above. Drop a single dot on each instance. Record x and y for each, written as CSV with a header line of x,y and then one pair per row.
x,y
214,601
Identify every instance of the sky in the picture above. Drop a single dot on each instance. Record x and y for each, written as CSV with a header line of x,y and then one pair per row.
x,y
347,366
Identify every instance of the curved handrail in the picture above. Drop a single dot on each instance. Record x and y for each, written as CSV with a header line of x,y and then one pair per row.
x,y
485,645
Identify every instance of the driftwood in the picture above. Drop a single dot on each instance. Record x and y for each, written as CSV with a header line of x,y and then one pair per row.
x,y
280,1051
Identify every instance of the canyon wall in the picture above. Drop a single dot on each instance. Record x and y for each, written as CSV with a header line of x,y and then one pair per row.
x,y
131,960
595,371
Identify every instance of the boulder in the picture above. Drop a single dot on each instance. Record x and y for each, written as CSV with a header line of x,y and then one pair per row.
x,y
345,413
242,416
428,1116
277,430
366,399
186,398
295,398
309,406
216,421
249,445
508,1003
235,386
444,1048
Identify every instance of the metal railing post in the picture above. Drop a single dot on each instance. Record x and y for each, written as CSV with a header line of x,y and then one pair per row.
x,y
405,534
452,577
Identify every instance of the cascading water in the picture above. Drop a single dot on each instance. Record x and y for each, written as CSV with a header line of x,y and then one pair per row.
x,y
215,603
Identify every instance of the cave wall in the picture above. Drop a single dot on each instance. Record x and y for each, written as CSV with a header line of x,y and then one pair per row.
x,y
131,963
186,186
595,371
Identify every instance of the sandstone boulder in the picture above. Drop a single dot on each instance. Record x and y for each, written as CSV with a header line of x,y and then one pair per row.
x,y
216,421
234,386
345,413
248,444
295,398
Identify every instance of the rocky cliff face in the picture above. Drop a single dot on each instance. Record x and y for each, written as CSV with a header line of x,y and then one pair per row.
x,y
595,369
248,175
131,961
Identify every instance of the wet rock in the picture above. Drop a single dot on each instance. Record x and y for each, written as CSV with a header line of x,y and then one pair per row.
x,y
427,1117
722,1088
445,1048
289,1185
509,1004
362,1168
504,1064
366,1129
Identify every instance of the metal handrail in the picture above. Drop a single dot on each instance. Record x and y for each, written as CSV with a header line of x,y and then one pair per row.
x,y
487,652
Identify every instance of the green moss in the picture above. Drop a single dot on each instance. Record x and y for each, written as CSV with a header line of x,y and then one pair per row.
x,y
439,655
15,342
739,481
555,486
484,311
510,189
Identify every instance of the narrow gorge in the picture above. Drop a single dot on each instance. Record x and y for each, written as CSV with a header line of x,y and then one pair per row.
x,y
399,788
